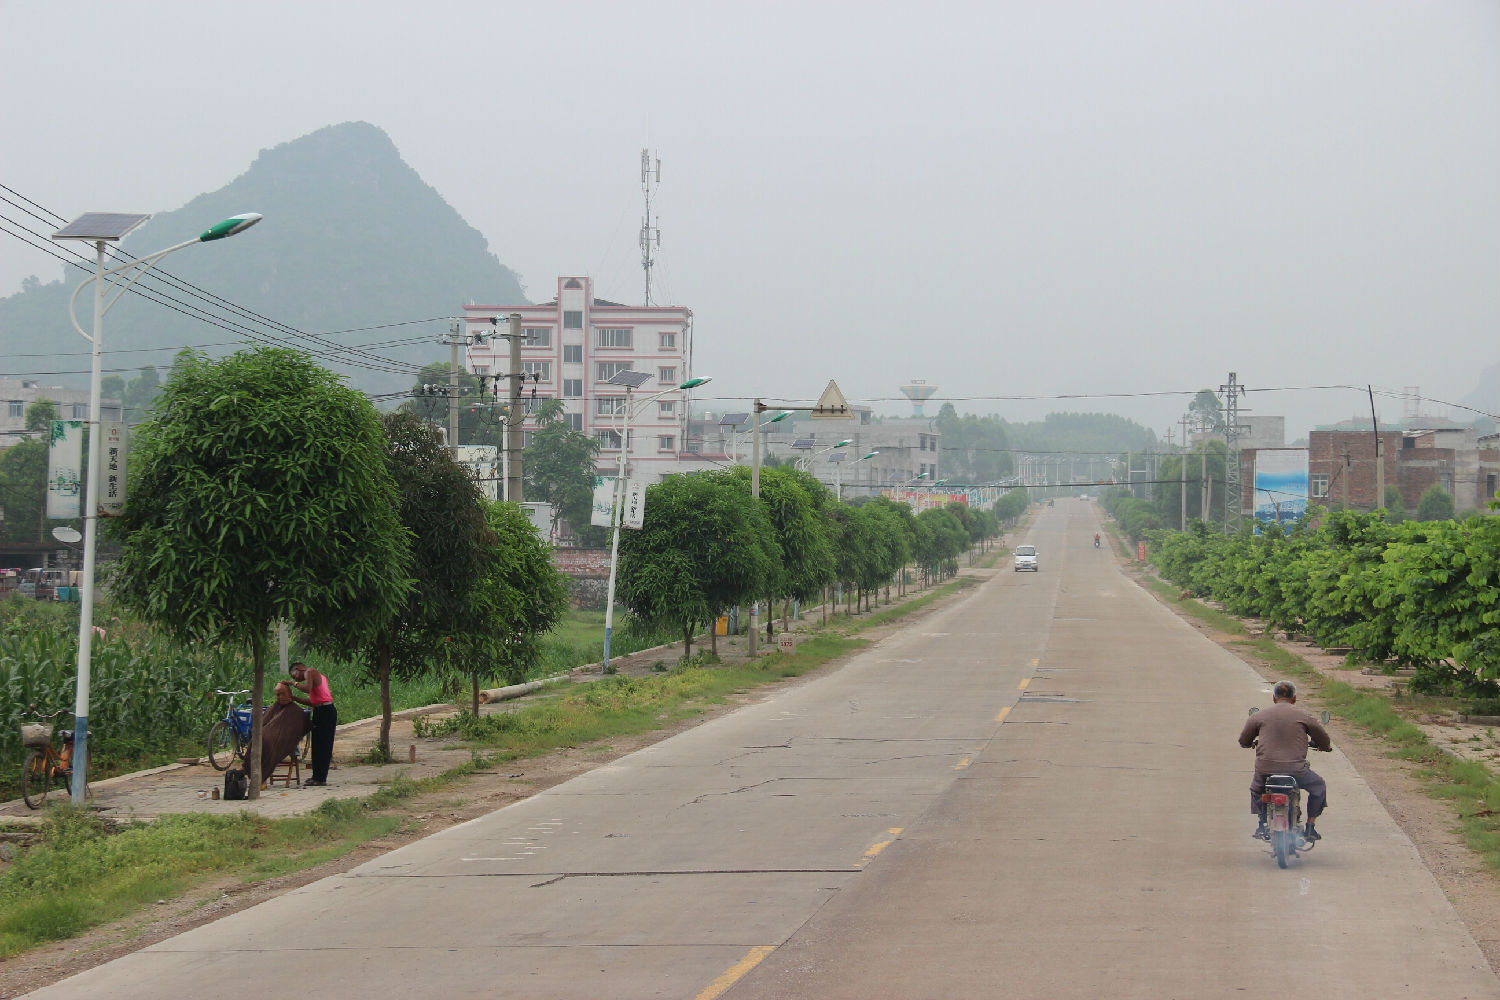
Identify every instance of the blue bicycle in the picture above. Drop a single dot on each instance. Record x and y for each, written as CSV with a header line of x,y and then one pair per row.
x,y
229,736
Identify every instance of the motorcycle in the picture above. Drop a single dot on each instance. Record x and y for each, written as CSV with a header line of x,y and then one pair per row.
x,y
1096,541
1282,800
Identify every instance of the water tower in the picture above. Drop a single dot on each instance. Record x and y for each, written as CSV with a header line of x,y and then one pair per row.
x,y
918,391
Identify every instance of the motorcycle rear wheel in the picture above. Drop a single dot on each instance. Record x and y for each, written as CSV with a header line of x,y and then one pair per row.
x,y
1281,846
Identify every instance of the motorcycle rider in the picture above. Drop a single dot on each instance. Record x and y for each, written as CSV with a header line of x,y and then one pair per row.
x,y
1281,736
1096,539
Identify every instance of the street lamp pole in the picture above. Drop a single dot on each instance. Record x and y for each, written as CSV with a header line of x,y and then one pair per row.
x,y
617,513
839,482
101,229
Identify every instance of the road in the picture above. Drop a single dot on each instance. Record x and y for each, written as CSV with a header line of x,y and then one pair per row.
x,y
1034,792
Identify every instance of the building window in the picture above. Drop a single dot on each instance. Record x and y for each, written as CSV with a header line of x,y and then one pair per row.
x,y
537,336
572,388
572,354
609,406
612,337
541,369
666,408
608,439
666,442
667,376
80,411
1318,484
526,439
609,369
575,421
572,319
668,339
530,404
17,408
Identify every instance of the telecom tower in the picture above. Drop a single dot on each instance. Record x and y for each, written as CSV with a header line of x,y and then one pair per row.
x,y
1232,454
918,391
650,235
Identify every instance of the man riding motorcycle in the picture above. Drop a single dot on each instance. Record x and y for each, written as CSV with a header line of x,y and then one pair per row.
x,y
1281,736
1096,539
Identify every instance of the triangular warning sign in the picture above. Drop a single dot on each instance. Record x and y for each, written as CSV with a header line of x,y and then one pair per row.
x,y
831,405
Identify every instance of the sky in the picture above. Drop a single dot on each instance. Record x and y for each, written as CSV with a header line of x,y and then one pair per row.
x,y
1036,206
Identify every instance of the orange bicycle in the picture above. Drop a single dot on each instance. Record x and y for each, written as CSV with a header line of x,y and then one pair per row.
x,y
46,767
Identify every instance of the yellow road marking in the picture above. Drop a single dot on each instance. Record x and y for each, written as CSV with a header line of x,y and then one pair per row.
x,y
1003,713
732,975
895,832
1034,661
1024,681
961,764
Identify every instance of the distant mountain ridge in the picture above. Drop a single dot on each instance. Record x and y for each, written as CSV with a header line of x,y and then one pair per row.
x,y
352,237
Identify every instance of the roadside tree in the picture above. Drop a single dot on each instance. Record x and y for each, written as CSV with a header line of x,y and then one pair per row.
x,y
559,469
259,493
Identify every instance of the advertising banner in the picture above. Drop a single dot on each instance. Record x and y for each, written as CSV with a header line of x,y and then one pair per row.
x,y
64,470
604,501
1280,484
920,500
635,504
483,463
116,439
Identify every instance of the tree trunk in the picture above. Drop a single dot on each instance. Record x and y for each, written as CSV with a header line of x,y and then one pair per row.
x,y
474,693
713,637
258,657
687,640
383,658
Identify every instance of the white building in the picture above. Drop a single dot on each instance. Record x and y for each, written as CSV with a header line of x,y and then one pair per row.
x,y
72,404
575,343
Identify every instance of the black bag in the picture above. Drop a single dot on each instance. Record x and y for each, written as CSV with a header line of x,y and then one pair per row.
x,y
236,784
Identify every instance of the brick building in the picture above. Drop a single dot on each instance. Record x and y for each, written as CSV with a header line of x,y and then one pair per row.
x,y
1341,466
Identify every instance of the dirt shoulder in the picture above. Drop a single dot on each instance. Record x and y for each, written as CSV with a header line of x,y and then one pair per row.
x,y
421,815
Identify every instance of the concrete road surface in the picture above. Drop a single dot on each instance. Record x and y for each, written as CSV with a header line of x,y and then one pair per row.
x,y
1033,793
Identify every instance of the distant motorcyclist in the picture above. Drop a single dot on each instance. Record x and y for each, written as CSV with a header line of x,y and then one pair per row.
x,y
1096,539
1281,736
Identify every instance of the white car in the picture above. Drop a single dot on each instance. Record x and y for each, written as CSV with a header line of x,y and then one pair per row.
x,y
1026,558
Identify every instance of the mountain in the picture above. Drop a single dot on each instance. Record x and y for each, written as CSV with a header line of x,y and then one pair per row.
x,y
352,237
1485,397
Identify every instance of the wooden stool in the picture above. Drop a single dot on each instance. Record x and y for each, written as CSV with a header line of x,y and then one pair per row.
x,y
288,771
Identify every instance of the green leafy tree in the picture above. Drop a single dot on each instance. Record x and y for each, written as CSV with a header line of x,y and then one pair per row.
x,y
440,507
1207,412
1395,505
1435,504
259,493
559,470
519,597
704,545
112,387
796,504
481,416
40,413
140,393
23,489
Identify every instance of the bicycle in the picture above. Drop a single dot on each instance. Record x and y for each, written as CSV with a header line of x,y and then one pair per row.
x,y
46,767
229,738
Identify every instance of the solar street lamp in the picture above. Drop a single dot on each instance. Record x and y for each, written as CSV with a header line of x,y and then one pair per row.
x,y
102,229
631,380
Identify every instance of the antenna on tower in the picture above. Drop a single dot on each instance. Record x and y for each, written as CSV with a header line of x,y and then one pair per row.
x,y
650,235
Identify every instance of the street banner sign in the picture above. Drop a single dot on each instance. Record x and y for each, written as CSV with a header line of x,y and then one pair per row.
x,y
635,504
112,502
604,502
64,470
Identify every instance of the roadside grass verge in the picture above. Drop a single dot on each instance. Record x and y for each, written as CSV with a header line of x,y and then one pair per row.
x,y
1471,788
895,612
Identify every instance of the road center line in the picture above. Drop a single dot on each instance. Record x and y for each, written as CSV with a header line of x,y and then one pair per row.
x,y
1025,681
732,975
1003,713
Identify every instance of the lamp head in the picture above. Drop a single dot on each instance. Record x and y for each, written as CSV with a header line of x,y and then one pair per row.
x,y
232,226
694,383
846,441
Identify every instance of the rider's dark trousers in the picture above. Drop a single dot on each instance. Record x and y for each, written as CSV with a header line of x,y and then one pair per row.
x,y
325,719
1315,787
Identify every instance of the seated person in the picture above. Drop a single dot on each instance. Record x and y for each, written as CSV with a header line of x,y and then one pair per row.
x,y
281,728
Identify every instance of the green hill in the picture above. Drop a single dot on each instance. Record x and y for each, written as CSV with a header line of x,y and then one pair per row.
x,y
352,238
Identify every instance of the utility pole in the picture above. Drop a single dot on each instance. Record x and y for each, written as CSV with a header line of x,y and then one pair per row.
x,y
453,342
755,409
1379,454
515,418
1182,477
1344,474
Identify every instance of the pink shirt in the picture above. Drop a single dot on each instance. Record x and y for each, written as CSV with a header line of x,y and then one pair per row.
x,y
319,694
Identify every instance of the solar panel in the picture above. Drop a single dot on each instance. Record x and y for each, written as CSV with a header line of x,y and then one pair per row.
x,y
633,379
99,226
838,456
802,443
733,419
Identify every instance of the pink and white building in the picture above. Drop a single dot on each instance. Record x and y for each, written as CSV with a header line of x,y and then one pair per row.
x,y
574,344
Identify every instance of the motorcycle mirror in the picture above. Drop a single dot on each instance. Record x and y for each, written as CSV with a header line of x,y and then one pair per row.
x,y
1323,717
1252,711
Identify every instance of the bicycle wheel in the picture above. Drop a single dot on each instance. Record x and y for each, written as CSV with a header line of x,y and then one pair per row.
x,y
223,745
34,783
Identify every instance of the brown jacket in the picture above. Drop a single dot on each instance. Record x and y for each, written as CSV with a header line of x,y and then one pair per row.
x,y
1280,735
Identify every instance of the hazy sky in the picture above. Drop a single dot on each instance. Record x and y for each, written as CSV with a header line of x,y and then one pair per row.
x,y
1006,199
